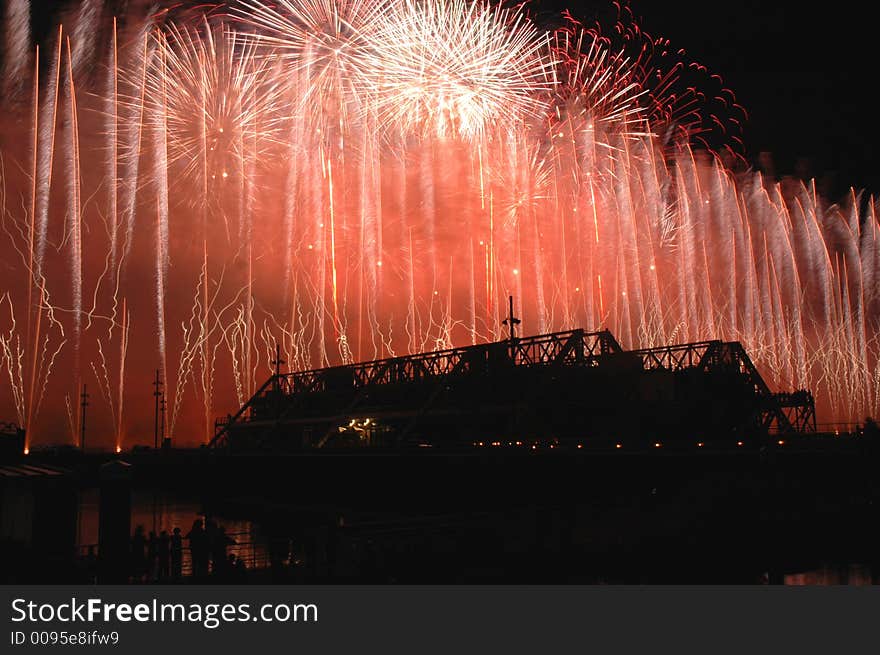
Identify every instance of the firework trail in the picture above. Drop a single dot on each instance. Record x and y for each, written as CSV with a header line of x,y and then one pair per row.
x,y
46,154
454,66
85,34
221,102
16,48
111,128
351,179
13,353
327,46
74,204
134,138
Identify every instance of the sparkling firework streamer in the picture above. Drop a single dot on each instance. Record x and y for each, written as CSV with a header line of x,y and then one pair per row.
x,y
32,216
74,205
16,49
85,32
46,149
351,179
12,361
596,101
120,380
683,100
454,66
134,105
221,97
112,130
327,45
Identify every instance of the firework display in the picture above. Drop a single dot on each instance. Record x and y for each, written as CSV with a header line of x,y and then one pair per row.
x,y
345,180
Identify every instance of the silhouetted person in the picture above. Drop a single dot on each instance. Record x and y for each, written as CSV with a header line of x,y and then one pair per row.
x,y
138,560
176,554
240,570
235,570
279,550
218,549
210,538
164,555
152,555
198,548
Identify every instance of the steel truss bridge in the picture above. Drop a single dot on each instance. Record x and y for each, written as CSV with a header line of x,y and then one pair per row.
x,y
554,388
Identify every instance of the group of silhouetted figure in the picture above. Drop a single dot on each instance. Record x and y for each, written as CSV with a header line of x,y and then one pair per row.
x,y
159,558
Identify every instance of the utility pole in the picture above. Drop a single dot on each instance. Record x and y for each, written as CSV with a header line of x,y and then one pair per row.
x,y
277,362
158,394
162,405
84,398
511,322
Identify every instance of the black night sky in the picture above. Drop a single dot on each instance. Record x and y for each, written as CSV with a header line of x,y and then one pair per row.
x,y
806,73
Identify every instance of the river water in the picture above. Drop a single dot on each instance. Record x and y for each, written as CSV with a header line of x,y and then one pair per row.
x,y
157,511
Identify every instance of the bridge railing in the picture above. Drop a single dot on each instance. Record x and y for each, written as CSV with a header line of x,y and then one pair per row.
x,y
573,348
253,552
677,357
561,347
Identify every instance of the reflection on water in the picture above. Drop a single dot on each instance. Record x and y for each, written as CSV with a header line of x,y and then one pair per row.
x,y
154,510
853,574
157,511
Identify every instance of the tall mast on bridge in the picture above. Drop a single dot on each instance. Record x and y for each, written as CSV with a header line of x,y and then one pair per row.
x,y
511,322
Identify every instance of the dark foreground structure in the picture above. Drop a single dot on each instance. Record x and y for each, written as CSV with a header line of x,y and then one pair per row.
x,y
552,459
566,388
